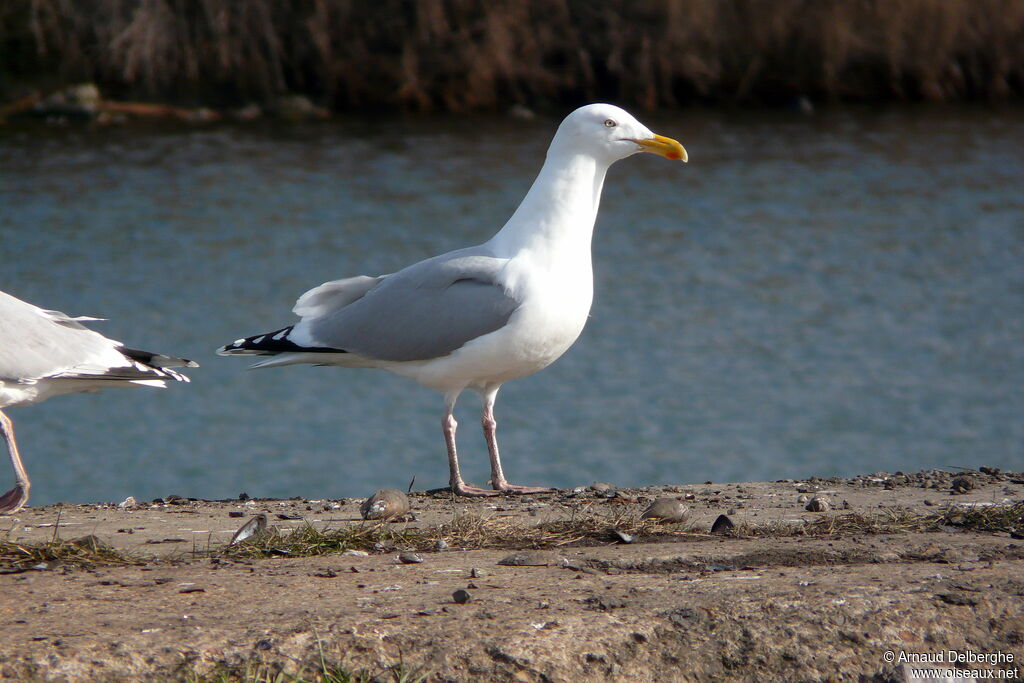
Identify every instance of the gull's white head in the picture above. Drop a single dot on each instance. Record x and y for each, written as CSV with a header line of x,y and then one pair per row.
x,y
609,133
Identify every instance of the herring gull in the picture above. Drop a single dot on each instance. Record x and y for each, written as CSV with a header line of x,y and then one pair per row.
x,y
47,353
477,317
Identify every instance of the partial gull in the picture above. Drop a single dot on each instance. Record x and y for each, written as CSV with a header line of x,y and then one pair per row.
x,y
47,353
477,317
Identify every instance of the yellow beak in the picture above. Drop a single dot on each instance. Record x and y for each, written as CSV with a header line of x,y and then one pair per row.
x,y
666,147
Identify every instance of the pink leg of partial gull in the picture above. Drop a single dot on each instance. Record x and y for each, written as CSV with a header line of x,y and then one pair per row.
x,y
498,481
449,425
15,499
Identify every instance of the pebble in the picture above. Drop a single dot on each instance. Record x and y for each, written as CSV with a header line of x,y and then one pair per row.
x,y
818,504
722,525
461,596
962,484
128,503
384,504
409,557
666,509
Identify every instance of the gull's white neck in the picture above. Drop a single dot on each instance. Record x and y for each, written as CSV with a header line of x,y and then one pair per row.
x,y
555,221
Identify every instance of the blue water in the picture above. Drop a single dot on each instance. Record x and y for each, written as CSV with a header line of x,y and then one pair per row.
x,y
825,295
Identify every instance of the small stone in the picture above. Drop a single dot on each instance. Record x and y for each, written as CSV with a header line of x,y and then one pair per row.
x,y
384,504
929,502
461,596
295,108
249,112
958,598
666,509
440,544
409,557
128,503
477,573
356,553
802,499
601,487
722,525
961,485
818,504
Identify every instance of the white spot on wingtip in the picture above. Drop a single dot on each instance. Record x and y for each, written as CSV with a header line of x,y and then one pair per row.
x,y
280,335
259,340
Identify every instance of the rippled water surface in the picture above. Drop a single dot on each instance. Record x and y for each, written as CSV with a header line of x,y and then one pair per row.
x,y
820,295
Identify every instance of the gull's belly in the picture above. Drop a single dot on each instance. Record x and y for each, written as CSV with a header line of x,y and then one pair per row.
x,y
538,333
18,394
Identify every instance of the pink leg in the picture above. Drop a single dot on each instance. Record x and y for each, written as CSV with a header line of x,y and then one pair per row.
x,y
15,499
459,487
498,481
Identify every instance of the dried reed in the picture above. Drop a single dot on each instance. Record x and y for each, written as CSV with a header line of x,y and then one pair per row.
x,y
459,55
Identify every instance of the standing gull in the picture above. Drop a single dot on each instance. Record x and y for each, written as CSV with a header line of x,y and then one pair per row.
x,y
47,353
477,317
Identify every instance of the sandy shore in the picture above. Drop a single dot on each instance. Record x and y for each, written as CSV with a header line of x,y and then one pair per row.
x,y
897,563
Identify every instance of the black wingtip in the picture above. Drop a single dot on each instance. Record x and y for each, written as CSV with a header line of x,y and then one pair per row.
x,y
269,344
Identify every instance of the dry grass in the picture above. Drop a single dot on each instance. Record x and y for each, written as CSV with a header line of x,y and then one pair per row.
x,y
584,528
320,671
463,531
987,519
459,55
890,521
82,552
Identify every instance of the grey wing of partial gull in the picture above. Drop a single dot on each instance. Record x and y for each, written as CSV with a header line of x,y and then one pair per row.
x,y
39,344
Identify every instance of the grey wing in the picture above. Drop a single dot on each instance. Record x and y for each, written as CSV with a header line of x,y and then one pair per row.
x,y
425,311
36,343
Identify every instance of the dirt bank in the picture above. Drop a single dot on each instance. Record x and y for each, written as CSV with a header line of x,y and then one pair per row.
x,y
923,563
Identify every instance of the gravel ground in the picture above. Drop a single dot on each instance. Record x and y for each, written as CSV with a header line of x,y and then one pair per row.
x,y
816,580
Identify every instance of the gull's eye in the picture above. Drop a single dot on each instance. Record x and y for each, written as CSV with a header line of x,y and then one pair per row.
x,y
610,123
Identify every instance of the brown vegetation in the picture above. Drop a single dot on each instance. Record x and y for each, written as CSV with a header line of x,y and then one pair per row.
x,y
461,55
